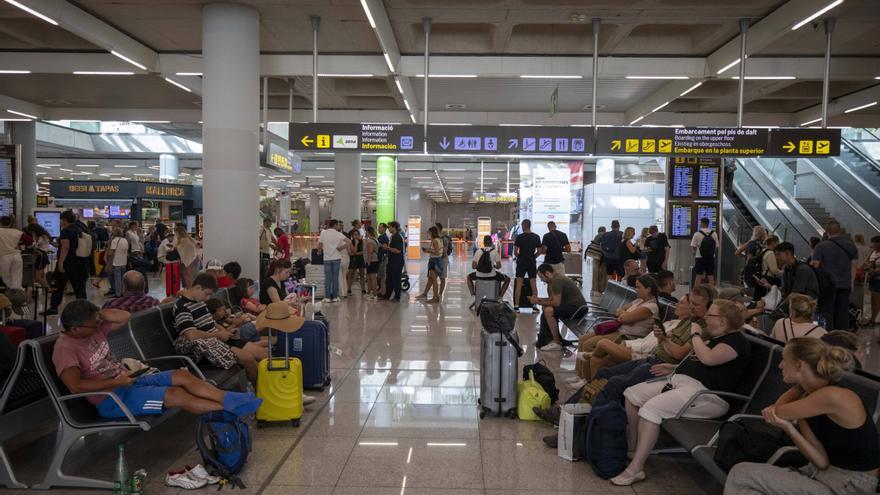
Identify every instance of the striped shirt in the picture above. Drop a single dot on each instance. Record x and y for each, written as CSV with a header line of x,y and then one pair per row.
x,y
189,314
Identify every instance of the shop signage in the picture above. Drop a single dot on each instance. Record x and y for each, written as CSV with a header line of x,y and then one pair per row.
x,y
484,228
282,160
356,137
414,237
114,190
498,140
496,197
804,142
386,177
42,201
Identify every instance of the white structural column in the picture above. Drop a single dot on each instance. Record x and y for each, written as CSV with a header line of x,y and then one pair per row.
x,y
230,109
605,171
25,134
347,196
402,209
169,167
314,212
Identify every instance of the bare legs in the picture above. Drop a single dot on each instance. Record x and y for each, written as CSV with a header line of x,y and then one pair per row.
x,y
551,322
641,437
247,361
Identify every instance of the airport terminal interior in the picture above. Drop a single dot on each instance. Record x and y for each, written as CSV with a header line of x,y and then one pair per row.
x,y
494,246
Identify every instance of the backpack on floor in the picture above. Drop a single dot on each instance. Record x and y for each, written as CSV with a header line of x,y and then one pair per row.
x,y
544,377
224,442
708,245
606,440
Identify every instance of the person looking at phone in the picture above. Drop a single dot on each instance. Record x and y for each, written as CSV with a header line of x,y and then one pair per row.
x,y
85,364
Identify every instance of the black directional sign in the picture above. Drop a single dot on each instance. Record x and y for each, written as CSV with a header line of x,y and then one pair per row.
x,y
516,140
804,142
682,141
395,138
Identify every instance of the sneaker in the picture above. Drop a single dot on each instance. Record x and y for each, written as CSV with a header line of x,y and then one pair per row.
x,y
578,384
336,299
573,379
200,473
552,441
185,481
552,346
308,399
550,415
326,300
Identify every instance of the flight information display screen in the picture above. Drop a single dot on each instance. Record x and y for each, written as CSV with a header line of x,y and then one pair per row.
x,y
7,179
7,205
708,181
682,183
680,220
710,212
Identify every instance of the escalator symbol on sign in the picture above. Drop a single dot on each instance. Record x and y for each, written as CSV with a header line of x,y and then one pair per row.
x,y
649,145
632,145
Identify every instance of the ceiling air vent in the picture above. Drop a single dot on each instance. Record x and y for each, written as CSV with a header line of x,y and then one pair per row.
x,y
455,106
55,102
590,107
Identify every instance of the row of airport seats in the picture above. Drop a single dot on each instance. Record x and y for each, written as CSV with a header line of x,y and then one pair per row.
x,y
33,395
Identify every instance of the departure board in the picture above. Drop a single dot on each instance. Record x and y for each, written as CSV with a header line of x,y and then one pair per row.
x,y
709,211
708,181
682,181
7,179
7,205
680,220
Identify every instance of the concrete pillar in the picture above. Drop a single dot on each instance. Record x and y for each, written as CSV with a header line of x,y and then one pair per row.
x,y
403,210
169,167
230,111
314,212
284,209
605,171
347,196
25,134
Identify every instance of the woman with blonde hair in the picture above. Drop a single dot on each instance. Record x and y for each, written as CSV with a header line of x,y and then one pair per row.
x,y
754,245
628,249
826,422
643,253
189,255
799,323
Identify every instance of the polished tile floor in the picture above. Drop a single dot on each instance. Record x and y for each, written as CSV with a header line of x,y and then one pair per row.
x,y
400,418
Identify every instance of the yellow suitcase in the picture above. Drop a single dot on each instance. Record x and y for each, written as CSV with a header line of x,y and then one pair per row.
x,y
280,385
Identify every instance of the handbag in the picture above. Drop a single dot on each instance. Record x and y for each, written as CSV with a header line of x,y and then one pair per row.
x,y
606,327
594,250
531,395
752,441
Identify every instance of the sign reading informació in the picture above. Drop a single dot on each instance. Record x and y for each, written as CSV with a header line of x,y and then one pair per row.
x,y
356,137
385,188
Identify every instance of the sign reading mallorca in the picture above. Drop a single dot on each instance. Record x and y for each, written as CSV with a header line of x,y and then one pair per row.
x,y
513,140
682,141
804,142
380,137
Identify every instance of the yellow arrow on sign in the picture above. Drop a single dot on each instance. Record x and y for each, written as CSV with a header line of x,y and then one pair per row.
x,y
615,145
790,147
306,141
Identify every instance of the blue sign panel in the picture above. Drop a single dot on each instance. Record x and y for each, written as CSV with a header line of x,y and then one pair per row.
x,y
406,142
490,144
561,145
467,143
528,144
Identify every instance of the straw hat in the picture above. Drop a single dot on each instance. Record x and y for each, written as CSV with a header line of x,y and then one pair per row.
x,y
280,316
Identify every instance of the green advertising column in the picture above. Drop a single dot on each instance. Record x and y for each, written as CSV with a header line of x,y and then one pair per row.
x,y
385,189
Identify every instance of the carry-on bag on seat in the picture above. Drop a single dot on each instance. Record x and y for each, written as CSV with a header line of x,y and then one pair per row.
x,y
32,328
499,354
16,334
310,345
280,385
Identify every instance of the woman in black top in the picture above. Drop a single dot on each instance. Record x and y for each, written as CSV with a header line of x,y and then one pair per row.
x,y
356,265
628,248
272,287
833,432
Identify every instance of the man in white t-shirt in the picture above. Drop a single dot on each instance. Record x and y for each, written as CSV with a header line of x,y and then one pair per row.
x,y
117,256
330,242
705,246
487,269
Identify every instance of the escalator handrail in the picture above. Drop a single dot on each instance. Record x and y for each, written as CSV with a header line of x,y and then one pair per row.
x,y
787,197
850,202
871,161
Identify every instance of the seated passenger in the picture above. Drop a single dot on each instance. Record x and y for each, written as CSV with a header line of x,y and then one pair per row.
x,y
714,365
666,286
800,321
272,287
197,335
241,327
133,297
233,269
631,272
847,340
636,320
487,268
827,423
243,292
215,268
564,300
84,362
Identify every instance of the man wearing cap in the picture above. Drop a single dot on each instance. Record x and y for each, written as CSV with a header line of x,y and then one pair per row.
x,y
282,317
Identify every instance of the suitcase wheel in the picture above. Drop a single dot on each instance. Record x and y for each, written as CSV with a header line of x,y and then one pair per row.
x,y
511,413
482,413
260,423
294,423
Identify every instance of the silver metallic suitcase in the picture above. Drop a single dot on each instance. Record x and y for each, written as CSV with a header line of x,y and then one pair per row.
x,y
484,289
499,370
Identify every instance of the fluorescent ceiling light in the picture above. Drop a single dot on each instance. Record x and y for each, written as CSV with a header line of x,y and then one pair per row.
x,y
102,73
81,173
659,107
406,103
324,168
449,76
181,86
49,165
65,170
550,76
346,75
767,78
808,19
399,87
150,121
124,166
811,121
657,77
637,120
695,86
729,66
449,123
14,120
388,61
369,14
860,107
123,57
88,166
22,114
32,11
187,73
520,125
11,71
143,175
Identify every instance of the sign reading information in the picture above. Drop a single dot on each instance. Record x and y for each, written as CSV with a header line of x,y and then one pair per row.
x,y
356,137
682,141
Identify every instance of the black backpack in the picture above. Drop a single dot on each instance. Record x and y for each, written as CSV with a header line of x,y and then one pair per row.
x,y
826,284
708,245
484,264
754,441
606,440
754,268
544,377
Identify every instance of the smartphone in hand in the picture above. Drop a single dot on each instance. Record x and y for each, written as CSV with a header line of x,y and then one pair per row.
x,y
138,373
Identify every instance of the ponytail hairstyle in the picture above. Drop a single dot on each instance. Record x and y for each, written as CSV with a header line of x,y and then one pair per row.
x,y
801,306
650,282
827,361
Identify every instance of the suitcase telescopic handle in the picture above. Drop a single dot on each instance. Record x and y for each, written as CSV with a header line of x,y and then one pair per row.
x,y
286,366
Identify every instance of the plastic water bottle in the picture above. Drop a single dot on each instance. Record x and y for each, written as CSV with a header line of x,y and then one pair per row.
x,y
120,480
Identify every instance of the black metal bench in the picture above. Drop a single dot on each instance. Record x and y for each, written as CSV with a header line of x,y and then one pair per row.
x,y
615,296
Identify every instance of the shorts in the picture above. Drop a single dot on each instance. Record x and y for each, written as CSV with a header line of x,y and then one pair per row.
x,y
383,268
498,276
145,396
436,264
704,266
526,268
356,262
373,267
613,267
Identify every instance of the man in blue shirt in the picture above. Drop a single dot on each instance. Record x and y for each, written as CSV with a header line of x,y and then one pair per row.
x,y
836,255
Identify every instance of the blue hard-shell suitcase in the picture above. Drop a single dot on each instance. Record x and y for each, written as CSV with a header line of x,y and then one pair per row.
x,y
311,345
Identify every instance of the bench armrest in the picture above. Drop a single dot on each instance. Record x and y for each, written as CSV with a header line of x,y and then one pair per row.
x,y
781,452
186,360
113,396
690,401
